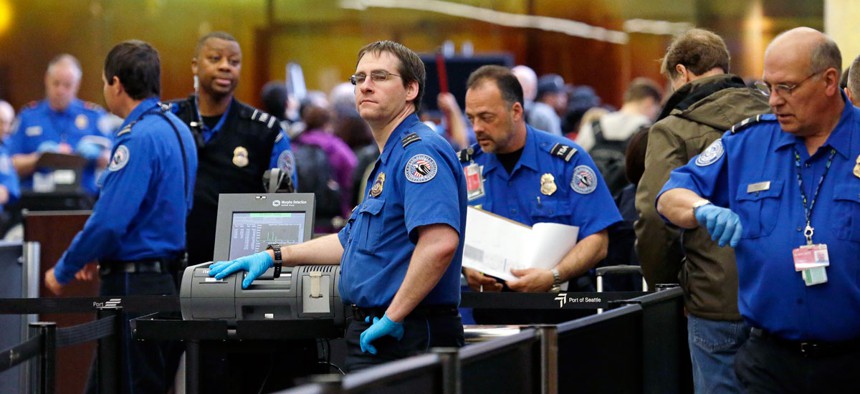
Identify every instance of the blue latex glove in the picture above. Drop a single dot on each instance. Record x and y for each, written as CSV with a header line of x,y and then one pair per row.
x,y
48,146
255,264
723,224
89,150
379,329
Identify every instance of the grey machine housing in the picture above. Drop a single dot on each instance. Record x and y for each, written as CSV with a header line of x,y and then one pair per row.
x,y
301,292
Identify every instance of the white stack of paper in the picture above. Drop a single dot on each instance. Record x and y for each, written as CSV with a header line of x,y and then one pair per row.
x,y
495,244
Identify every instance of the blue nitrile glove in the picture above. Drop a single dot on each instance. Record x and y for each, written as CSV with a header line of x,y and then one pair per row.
x,y
48,146
723,224
255,264
379,329
89,150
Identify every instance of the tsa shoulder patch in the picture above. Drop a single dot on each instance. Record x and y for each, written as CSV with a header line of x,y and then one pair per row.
x,y
421,168
286,162
119,159
711,154
584,180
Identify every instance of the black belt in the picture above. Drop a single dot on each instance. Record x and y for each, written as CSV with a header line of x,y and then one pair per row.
x,y
145,266
809,348
421,311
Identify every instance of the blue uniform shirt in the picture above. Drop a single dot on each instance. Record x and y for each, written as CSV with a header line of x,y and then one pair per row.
x,y
39,123
416,181
145,197
579,196
8,176
733,173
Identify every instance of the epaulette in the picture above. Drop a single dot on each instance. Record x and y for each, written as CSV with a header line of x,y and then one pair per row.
x,y
465,155
92,106
264,118
126,129
409,138
751,121
563,151
31,104
165,107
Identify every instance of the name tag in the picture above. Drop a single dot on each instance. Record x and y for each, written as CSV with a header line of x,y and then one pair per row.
x,y
758,187
33,131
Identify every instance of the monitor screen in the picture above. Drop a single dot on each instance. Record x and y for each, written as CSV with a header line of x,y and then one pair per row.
x,y
252,232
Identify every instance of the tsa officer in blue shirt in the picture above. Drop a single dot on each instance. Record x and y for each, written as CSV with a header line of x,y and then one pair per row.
x,y
401,250
784,191
61,123
9,188
531,176
137,228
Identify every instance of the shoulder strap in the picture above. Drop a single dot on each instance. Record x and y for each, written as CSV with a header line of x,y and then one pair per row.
x,y
181,149
409,138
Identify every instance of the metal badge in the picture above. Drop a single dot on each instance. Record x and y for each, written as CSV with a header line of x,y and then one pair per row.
x,y
857,167
758,187
376,190
240,156
547,184
82,122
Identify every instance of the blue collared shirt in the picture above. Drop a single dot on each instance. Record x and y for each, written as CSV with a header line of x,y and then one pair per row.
x,y
145,196
417,185
753,173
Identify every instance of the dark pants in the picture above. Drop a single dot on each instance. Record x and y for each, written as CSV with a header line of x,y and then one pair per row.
x,y
768,365
420,333
146,366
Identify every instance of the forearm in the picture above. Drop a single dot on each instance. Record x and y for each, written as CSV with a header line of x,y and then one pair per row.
x,y
584,255
431,258
25,164
677,206
323,250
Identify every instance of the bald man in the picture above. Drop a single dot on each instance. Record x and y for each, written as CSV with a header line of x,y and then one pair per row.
x,y
9,190
783,189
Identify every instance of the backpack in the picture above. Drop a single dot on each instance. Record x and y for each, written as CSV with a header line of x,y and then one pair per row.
x,y
315,175
608,156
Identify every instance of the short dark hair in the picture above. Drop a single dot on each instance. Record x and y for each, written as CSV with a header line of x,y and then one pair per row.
x,y
506,81
221,35
699,50
411,67
642,88
138,68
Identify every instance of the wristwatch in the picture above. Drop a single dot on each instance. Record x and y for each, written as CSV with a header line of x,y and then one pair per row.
x,y
279,263
699,204
556,281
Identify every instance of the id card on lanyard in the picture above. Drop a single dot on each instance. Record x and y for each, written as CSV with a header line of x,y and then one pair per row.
x,y
812,259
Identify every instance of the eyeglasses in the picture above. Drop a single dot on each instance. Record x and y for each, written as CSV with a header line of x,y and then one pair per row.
x,y
782,89
376,76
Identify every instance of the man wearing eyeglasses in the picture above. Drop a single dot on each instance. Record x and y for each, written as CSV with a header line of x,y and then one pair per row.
x,y
706,102
783,189
236,143
401,250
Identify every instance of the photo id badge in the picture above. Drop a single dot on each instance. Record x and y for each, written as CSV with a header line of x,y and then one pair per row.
x,y
810,256
474,181
814,276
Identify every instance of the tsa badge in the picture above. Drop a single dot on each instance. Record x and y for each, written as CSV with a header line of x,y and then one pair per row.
x,y
376,190
81,122
240,156
584,180
547,184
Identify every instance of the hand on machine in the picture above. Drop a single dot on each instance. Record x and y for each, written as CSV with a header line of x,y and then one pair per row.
x,y
255,264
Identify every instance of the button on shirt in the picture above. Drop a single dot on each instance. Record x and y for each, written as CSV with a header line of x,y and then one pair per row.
x,y
772,295
518,195
380,236
40,123
141,211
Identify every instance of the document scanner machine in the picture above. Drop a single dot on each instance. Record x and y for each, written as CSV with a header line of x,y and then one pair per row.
x,y
247,224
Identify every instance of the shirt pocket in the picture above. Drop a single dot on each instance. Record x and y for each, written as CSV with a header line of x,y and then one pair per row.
x,y
553,211
369,224
759,210
846,219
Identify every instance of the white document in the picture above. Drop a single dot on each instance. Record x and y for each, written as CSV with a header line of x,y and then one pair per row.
x,y
495,244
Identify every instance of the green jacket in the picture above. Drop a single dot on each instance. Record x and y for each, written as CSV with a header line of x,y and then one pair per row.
x,y
695,115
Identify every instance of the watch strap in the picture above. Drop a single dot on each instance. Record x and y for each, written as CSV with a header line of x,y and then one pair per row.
x,y
278,260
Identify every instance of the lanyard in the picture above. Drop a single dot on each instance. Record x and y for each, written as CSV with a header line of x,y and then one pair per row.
x,y
206,131
809,230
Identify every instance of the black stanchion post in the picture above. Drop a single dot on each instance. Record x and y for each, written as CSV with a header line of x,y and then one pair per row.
x,y
109,349
549,358
47,356
450,369
192,367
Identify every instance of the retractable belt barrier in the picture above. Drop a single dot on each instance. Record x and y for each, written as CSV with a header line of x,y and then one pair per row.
x,y
549,301
134,304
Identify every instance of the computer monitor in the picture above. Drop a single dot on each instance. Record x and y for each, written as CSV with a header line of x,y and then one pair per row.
x,y
248,223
